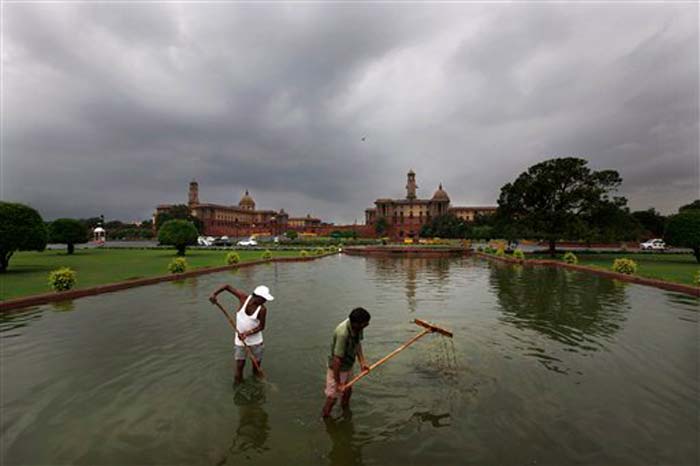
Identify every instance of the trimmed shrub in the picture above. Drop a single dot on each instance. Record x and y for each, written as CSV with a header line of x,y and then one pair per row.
x,y
501,252
266,255
697,278
177,265
319,251
304,253
570,258
626,266
233,258
62,279
519,254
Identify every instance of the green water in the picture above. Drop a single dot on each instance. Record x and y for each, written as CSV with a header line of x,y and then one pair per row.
x,y
546,367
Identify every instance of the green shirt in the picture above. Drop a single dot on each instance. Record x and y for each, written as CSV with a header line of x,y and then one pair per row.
x,y
344,345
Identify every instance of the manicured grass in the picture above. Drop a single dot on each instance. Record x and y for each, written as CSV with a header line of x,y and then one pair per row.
x,y
28,271
678,268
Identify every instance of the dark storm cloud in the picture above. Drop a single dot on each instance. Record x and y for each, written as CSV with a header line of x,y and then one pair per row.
x,y
113,108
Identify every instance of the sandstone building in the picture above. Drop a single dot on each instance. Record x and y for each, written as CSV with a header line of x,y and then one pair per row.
x,y
243,219
405,217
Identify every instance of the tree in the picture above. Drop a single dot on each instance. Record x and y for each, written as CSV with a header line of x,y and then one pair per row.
x,y
291,234
695,205
445,226
68,231
552,197
651,221
178,233
179,212
21,229
683,230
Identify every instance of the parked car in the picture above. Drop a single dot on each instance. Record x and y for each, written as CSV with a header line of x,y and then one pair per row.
x,y
247,242
653,245
223,241
205,241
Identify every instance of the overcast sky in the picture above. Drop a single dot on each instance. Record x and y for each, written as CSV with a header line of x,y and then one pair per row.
x,y
113,108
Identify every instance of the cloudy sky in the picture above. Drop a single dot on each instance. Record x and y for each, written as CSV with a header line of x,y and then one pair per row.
x,y
113,108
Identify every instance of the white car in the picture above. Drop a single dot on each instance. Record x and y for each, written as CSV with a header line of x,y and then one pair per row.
x,y
653,245
247,242
205,241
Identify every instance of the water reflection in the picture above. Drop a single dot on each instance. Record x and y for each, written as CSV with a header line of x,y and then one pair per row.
x,y
406,271
15,320
253,421
346,448
572,308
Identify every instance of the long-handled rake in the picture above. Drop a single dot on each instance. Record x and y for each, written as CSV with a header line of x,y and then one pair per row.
x,y
247,348
429,328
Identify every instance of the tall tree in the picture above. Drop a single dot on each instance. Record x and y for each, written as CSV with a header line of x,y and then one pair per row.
x,y
553,197
21,229
695,205
651,221
683,230
68,231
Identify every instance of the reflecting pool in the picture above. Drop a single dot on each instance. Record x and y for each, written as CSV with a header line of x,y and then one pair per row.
x,y
546,366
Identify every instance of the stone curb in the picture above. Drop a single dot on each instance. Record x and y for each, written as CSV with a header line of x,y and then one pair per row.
x,y
405,250
44,298
663,284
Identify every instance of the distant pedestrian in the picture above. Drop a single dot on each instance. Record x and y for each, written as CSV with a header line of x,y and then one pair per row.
x,y
250,322
345,348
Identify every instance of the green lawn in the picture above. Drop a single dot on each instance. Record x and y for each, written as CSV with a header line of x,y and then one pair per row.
x,y
28,271
672,267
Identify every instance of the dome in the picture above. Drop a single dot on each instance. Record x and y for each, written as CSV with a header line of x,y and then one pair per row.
x,y
247,201
441,195
98,230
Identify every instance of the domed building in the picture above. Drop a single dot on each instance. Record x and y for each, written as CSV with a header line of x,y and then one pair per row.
x,y
405,217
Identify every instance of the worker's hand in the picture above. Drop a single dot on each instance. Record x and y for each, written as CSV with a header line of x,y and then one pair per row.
x,y
243,335
365,368
341,387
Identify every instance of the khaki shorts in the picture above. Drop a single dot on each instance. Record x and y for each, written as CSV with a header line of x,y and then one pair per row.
x,y
240,353
332,387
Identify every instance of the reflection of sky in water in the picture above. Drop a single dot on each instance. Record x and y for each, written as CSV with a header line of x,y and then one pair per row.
x,y
546,366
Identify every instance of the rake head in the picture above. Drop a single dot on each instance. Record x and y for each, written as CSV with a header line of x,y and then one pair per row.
x,y
433,327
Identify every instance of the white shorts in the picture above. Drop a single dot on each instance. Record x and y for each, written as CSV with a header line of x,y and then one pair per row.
x,y
240,353
332,387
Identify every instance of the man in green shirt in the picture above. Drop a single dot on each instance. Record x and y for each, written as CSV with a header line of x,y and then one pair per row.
x,y
344,349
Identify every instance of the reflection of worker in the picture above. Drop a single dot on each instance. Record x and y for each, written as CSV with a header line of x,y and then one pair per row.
x,y
345,449
250,322
253,423
344,349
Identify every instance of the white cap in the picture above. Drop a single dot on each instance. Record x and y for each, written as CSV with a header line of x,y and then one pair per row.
x,y
263,292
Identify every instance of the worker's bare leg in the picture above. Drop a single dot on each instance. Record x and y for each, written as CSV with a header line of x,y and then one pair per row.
x,y
258,373
345,401
330,401
240,364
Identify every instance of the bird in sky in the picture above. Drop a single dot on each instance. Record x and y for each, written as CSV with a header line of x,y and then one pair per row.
x,y
363,138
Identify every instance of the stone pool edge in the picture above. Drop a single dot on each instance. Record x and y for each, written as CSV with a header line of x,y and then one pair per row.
x,y
663,284
44,298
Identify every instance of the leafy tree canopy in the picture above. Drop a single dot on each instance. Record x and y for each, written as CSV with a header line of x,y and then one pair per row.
x,y
683,230
651,221
445,226
695,205
21,229
68,231
178,233
179,212
555,197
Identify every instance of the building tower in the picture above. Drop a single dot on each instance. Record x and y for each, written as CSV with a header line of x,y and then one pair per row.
x,y
194,194
411,186
247,202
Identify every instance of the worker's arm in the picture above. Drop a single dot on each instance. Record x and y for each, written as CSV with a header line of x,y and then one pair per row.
x,y
361,358
234,291
262,317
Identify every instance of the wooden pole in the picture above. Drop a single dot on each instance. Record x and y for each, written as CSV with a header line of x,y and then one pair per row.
x,y
386,358
248,350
